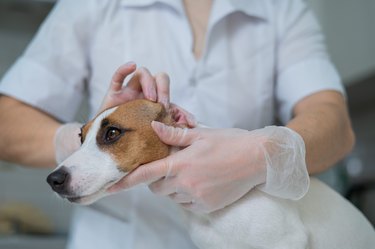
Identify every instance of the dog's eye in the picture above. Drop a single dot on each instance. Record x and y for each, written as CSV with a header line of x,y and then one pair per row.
x,y
80,136
112,134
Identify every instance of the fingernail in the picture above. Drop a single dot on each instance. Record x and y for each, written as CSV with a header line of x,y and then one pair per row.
x,y
157,126
152,95
130,63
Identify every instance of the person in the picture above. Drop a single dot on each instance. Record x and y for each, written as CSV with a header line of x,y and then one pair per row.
x,y
238,66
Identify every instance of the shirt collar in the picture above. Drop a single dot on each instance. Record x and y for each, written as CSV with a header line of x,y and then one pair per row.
x,y
175,4
254,8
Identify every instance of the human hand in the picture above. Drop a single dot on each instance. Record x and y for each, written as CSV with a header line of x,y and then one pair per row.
x,y
67,140
219,166
141,85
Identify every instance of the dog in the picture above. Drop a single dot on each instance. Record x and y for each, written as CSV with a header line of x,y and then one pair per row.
x,y
120,139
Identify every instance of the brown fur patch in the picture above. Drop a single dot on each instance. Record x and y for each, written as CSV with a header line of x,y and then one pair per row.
x,y
138,143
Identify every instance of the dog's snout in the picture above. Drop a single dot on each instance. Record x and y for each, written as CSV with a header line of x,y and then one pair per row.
x,y
59,180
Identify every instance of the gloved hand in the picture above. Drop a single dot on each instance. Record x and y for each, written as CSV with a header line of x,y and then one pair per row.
x,y
67,140
141,85
219,166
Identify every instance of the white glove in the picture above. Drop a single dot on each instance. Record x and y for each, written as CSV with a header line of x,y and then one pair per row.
x,y
219,166
67,140
284,151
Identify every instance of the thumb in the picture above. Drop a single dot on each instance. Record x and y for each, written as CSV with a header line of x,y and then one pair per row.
x,y
146,173
173,135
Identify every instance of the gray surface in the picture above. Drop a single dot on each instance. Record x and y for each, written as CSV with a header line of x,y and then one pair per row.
x,y
26,185
32,242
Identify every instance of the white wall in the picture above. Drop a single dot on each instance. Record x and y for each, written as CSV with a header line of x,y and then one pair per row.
x,y
349,26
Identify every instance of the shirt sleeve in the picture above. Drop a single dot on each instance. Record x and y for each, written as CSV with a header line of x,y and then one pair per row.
x,y
50,74
303,65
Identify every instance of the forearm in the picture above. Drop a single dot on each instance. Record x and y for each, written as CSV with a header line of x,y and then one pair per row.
x,y
323,122
26,134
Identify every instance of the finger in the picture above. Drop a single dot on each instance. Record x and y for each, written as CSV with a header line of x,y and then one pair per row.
x,y
165,186
146,173
174,136
119,76
196,207
189,205
162,87
142,81
181,198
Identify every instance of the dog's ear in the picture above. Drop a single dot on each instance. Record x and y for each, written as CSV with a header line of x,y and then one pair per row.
x,y
173,116
181,118
163,115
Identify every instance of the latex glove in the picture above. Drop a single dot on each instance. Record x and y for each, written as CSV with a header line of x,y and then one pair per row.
x,y
141,85
67,140
219,166
285,153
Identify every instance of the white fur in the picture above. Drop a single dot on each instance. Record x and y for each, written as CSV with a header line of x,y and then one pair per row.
x,y
320,220
91,170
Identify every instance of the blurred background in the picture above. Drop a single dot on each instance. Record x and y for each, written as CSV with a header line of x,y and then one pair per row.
x,y
31,216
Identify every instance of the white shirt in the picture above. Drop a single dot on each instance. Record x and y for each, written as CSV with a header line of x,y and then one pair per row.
x,y
261,57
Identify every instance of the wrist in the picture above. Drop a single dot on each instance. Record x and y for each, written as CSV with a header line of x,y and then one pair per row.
x,y
284,157
255,155
66,140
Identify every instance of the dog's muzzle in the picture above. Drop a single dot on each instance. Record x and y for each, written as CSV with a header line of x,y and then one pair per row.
x,y
59,180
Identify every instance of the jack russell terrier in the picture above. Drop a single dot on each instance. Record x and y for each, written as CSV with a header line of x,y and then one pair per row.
x,y
121,138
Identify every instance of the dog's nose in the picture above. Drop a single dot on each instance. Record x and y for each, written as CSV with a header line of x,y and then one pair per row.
x,y
59,180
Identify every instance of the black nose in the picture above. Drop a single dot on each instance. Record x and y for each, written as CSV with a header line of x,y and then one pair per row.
x,y
59,180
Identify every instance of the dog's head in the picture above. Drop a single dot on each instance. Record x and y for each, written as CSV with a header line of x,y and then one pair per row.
x,y
114,143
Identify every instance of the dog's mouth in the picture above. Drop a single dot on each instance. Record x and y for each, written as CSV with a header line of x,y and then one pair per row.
x,y
76,199
90,198
84,200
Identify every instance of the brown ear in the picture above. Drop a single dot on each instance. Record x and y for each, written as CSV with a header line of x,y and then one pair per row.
x,y
181,117
174,116
164,116
150,111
